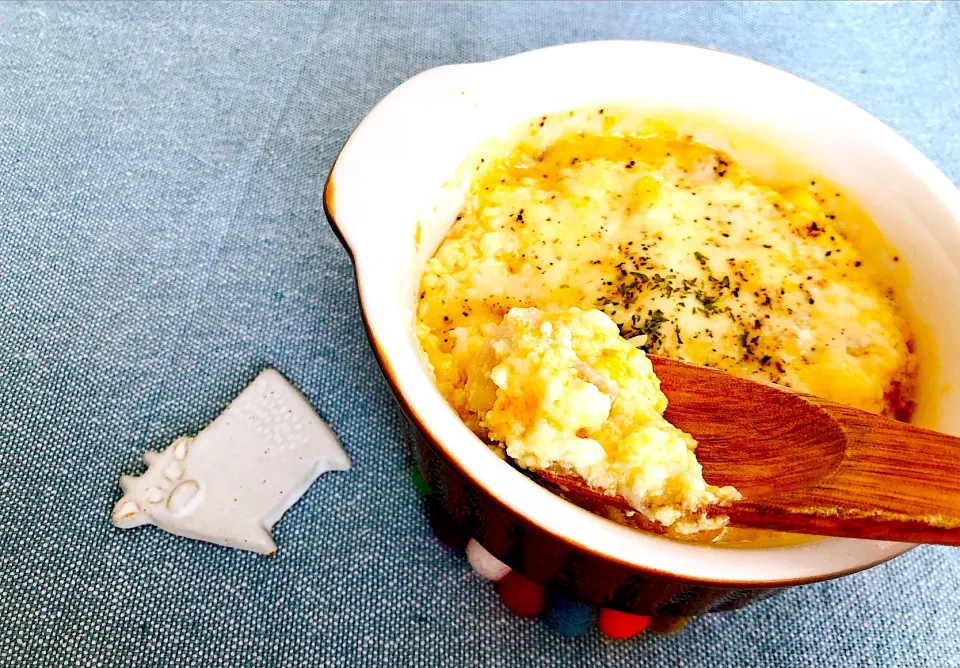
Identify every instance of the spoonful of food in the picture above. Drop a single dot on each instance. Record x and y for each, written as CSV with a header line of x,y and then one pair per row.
x,y
804,464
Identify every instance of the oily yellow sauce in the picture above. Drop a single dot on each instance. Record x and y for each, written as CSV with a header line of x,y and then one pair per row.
x,y
682,247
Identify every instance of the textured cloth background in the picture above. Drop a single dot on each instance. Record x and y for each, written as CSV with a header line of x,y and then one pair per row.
x,y
162,240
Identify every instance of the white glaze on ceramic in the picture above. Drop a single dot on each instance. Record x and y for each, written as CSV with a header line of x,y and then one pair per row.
x,y
232,482
393,174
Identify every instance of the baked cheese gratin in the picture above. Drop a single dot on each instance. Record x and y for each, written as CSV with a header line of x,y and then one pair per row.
x,y
565,391
687,252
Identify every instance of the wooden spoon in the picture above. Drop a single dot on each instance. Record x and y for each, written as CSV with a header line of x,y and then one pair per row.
x,y
805,464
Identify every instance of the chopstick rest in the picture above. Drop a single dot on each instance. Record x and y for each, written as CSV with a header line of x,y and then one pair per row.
x,y
232,482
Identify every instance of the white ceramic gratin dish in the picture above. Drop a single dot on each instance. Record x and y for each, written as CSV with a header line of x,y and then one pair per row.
x,y
391,186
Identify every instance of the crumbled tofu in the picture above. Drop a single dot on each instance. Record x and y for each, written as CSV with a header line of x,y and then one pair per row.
x,y
565,391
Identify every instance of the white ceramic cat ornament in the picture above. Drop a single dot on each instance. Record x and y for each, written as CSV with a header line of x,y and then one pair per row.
x,y
231,483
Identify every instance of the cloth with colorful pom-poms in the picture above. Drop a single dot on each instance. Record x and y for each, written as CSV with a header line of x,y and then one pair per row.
x,y
526,598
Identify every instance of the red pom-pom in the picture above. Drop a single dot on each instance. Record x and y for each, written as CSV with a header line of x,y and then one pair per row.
x,y
621,625
524,597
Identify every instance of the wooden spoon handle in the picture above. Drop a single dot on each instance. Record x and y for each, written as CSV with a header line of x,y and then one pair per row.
x,y
845,524
894,481
823,522
808,465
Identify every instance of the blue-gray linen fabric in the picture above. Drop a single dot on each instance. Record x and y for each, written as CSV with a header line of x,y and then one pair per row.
x,y
162,240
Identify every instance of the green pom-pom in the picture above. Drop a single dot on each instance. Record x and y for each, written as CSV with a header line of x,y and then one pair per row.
x,y
423,489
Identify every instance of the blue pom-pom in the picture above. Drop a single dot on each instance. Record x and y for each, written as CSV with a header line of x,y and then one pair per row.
x,y
569,618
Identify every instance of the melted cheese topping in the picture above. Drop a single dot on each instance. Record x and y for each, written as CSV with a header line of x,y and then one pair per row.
x,y
681,247
565,391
